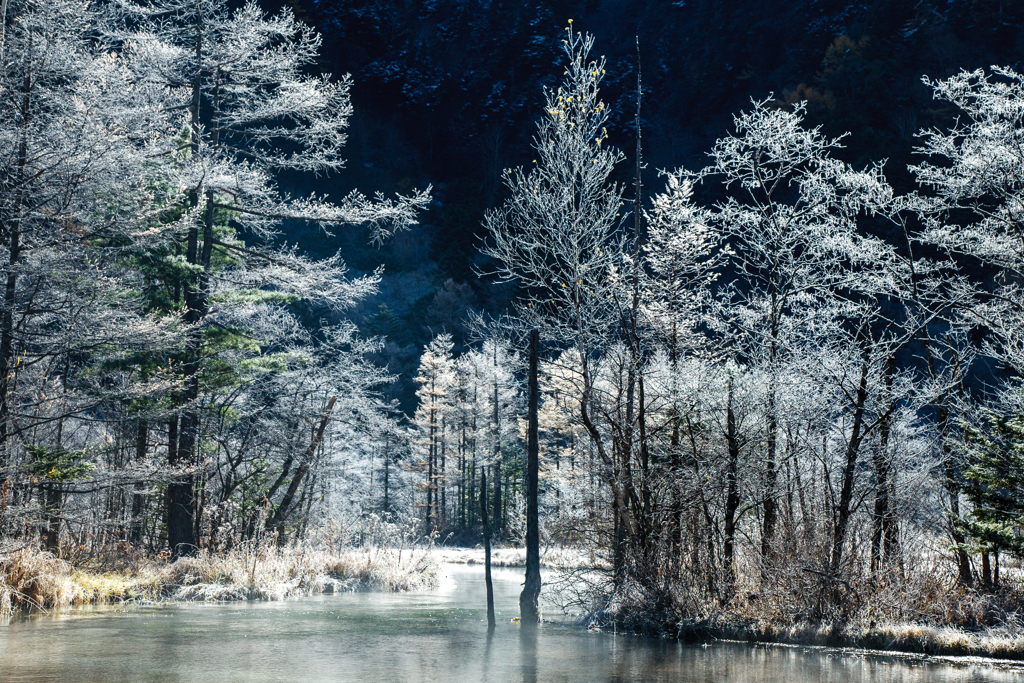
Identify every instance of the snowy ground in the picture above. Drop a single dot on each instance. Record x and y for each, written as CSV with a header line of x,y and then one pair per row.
x,y
554,558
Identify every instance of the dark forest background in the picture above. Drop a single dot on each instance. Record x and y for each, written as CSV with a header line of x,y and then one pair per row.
x,y
447,92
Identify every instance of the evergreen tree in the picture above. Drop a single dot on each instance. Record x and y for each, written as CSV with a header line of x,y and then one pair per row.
x,y
994,482
252,111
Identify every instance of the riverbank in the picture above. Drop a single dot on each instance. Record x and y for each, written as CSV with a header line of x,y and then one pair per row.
x,y
764,620
33,580
1001,643
957,622
551,558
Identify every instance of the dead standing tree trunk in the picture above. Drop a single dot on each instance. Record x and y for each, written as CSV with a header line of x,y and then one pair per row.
x,y
529,609
487,550
732,501
498,518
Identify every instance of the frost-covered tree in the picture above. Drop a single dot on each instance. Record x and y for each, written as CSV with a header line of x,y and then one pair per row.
x,y
792,219
974,206
76,135
467,417
494,368
435,377
252,110
681,256
679,262
558,237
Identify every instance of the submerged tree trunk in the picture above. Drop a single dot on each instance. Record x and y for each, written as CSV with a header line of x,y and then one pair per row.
x,y
529,608
487,549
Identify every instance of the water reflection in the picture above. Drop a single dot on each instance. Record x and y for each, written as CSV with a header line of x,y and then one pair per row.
x,y
487,655
424,637
528,650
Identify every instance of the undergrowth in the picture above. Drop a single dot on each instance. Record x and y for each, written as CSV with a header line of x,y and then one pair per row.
x,y
922,612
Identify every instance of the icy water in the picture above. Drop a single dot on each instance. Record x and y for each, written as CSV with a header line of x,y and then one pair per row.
x,y
429,636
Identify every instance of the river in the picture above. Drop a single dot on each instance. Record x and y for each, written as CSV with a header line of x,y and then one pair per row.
x,y
430,636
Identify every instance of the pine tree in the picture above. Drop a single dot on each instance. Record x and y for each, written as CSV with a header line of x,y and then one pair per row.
x,y
994,482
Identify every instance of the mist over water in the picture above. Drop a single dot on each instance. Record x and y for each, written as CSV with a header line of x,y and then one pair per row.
x,y
438,635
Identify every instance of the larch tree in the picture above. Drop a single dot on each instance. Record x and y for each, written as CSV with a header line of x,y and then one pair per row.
x,y
679,262
250,110
436,377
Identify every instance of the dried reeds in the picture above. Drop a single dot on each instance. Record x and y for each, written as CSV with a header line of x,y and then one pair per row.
x,y
31,579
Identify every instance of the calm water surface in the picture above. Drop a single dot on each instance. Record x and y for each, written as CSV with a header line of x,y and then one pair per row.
x,y
432,636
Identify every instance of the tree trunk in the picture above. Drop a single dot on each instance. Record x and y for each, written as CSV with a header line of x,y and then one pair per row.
x,y
620,509
952,486
852,451
386,508
431,517
141,445
675,527
181,502
442,481
963,561
51,503
732,498
3,26
487,549
181,514
13,227
284,509
769,506
529,609
498,520
881,516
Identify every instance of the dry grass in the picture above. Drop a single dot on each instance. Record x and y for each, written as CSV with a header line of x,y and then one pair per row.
x,y
921,612
995,643
34,580
270,573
